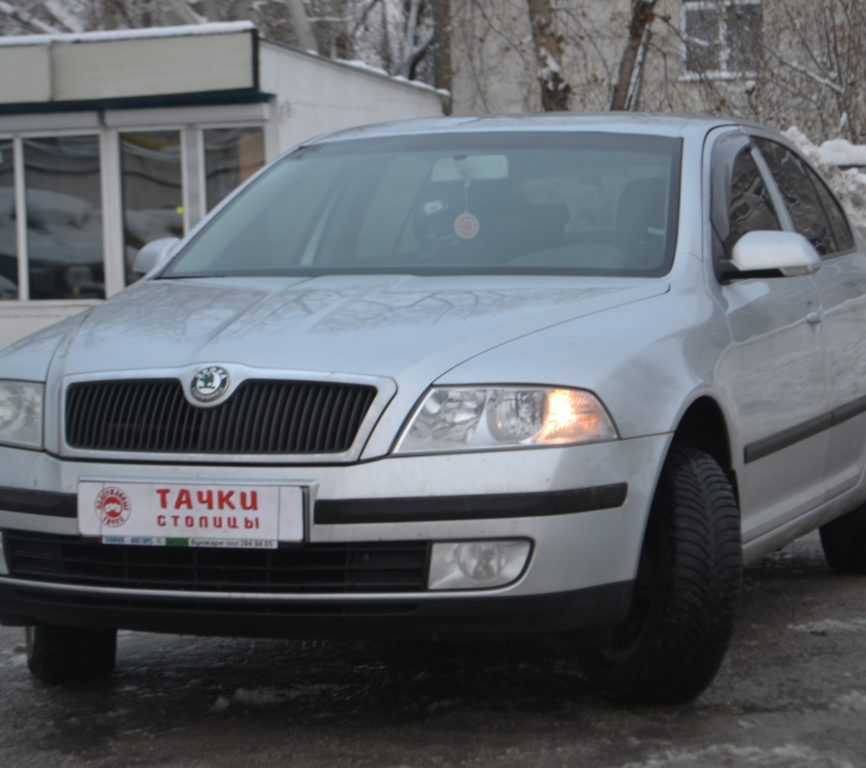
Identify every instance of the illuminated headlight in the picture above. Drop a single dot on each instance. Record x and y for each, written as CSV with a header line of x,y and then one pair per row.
x,y
476,564
4,568
464,418
21,413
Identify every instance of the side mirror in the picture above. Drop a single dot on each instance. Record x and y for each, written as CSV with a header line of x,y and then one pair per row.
x,y
153,254
771,254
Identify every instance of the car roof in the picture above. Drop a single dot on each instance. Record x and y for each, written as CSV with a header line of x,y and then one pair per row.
x,y
630,122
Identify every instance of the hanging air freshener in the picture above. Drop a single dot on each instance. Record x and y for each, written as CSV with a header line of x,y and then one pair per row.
x,y
466,225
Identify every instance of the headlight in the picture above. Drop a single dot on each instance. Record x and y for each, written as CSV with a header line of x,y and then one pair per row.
x,y
464,418
21,413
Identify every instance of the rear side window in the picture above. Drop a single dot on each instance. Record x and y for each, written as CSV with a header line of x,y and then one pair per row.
x,y
750,206
835,215
801,197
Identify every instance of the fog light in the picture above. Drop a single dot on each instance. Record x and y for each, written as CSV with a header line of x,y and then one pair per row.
x,y
4,568
476,564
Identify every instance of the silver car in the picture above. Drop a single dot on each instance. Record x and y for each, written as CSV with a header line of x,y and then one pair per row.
x,y
544,375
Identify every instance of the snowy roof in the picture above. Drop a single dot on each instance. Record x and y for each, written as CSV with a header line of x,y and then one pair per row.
x,y
211,28
137,63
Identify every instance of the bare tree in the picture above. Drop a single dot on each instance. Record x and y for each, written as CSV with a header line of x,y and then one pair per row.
x,y
815,67
555,90
785,62
628,81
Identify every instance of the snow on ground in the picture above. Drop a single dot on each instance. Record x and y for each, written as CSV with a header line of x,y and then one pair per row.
x,y
726,755
261,698
850,184
854,701
830,626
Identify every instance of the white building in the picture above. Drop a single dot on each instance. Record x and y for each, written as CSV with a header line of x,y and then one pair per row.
x,y
111,139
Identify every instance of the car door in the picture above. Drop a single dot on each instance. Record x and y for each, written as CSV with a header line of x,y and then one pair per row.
x,y
774,376
841,283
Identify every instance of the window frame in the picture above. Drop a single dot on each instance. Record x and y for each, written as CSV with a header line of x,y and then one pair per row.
x,y
725,150
816,179
20,197
811,175
108,126
724,72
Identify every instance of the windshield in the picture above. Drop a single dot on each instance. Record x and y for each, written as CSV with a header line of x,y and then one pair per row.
x,y
529,202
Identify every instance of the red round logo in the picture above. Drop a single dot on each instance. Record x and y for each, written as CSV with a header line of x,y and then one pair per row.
x,y
112,507
466,226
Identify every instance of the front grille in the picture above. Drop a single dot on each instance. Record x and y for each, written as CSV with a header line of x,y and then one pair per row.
x,y
328,568
261,417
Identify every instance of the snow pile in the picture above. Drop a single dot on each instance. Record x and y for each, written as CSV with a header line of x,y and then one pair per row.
x,y
725,755
830,626
849,185
842,152
855,701
262,698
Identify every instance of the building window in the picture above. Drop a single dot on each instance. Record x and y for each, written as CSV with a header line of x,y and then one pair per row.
x,y
722,37
64,217
8,233
232,155
152,189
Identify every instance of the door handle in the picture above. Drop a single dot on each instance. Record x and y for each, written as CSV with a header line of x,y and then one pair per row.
x,y
815,317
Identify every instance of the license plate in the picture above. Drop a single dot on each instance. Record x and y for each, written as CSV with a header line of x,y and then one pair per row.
x,y
191,514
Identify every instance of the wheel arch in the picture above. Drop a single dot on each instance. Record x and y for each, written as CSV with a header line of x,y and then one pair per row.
x,y
703,426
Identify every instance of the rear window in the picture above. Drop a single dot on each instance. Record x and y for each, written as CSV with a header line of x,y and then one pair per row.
x,y
578,203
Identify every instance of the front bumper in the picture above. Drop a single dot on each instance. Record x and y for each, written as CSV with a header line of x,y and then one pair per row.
x,y
584,509
590,613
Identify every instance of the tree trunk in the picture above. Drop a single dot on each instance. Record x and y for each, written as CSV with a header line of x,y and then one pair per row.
x,y
443,71
641,19
301,29
555,92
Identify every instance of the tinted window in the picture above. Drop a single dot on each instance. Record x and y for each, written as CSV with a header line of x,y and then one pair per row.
x,y
838,222
802,200
750,206
507,202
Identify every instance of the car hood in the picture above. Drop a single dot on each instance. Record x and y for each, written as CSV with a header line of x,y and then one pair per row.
x,y
365,325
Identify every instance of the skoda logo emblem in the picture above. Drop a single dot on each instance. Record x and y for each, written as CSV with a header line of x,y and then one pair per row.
x,y
209,384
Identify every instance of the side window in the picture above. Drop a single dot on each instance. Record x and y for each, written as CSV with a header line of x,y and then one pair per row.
x,y
838,222
750,206
800,195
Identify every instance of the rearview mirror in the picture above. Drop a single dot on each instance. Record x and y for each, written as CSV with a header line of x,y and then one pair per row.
x,y
470,168
771,254
153,254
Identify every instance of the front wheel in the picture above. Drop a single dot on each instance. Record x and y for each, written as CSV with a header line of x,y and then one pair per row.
x,y
686,593
62,655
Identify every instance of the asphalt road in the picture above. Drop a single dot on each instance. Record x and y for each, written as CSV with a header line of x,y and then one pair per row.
x,y
792,693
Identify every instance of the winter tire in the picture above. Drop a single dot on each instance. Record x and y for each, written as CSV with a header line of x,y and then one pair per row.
x,y
686,593
60,655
